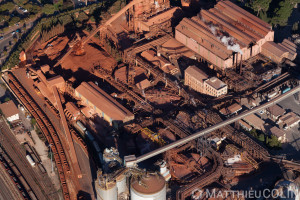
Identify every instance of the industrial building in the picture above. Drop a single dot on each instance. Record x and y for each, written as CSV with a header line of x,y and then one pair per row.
x,y
289,120
161,62
102,104
255,122
232,109
10,111
196,79
275,111
279,52
224,35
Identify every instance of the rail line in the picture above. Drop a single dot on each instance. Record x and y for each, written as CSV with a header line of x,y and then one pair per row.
x,y
47,129
203,180
211,128
19,181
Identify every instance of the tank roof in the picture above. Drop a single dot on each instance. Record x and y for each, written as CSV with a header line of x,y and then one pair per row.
x,y
148,184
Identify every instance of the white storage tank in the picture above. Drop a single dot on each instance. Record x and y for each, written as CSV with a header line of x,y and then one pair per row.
x,y
121,184
148,187
105,189
30,160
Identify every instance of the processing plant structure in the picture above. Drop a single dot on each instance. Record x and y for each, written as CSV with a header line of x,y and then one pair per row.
x,y
131,129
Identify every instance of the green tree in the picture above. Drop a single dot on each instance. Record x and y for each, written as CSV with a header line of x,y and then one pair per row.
x,y
48,9
253,132
6,99
282,14
260,5
13,20
33,122
261,137
9,6
273,142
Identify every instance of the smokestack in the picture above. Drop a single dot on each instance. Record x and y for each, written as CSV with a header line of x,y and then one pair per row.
x,y
233,58
241,64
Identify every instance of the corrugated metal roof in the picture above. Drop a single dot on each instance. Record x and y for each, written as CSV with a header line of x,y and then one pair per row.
x,y
103,101
9,108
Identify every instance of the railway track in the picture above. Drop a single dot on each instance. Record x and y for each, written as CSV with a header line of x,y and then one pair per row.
x,y
47,129
203,180
19,181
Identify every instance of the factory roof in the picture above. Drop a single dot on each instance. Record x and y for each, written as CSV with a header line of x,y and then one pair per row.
x,y
290,47
231,109
55,81
244,124
160,61
143,84
215,83
276,110
196,73
255,121
148,184
70,106
203,36
290,118
276,131
103,101
274,48
225,19
9,108
45,68
162,17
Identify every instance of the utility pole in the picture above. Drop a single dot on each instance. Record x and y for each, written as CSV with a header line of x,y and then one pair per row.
x,y
51,158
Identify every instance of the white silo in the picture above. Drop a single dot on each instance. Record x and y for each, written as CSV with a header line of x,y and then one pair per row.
x,y
106,189
148,187
121,184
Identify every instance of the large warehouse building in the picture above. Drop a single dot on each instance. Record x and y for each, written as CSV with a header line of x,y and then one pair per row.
x,y
224,35
102,103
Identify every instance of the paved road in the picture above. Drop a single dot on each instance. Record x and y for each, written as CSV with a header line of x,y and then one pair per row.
x,y
8,37
40,184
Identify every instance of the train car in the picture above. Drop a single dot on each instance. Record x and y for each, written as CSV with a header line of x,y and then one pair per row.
x,y
35,158
24,183
89,135
96,146
42,168
32,195
81,126
27,148
16,171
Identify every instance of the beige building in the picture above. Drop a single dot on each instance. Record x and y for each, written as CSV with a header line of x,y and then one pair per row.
x,y
102,103
255,122
196,79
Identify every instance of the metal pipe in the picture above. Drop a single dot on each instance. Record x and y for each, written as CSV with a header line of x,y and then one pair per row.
x,y
210,129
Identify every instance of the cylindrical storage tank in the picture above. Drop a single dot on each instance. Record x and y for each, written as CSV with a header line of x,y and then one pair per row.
x,y
106,190
149,187
121,184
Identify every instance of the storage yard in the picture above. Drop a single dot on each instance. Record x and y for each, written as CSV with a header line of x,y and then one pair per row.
x,y
174,113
